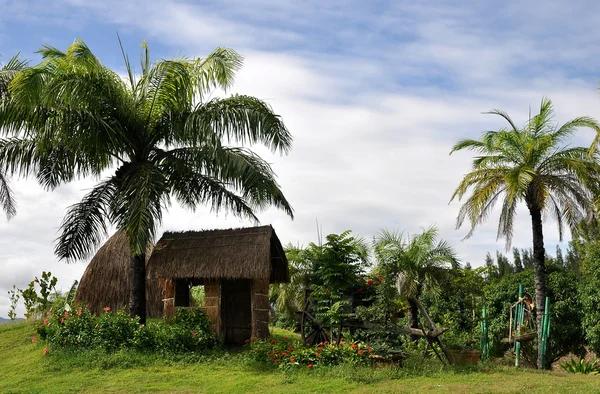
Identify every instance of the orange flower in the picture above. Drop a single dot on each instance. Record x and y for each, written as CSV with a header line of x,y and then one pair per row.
x,y
369,348
79,312
353,346
318,354
45,351
310,365
319,348
292,359
361,351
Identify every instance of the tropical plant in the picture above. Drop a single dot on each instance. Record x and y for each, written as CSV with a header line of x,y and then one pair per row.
x,y
419,261
582,366
71,117
531,164
7,73
289,297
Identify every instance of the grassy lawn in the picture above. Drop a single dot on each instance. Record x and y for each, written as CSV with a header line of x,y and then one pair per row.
x,y
23,369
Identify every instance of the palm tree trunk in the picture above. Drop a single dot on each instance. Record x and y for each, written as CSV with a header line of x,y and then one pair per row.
x,y
137,298
413,318
539,264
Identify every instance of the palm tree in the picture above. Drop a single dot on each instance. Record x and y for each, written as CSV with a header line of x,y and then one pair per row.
x,y
420,262
7,74
530,165
70,117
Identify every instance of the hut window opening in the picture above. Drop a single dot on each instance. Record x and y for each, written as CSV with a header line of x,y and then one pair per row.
x,y
197,295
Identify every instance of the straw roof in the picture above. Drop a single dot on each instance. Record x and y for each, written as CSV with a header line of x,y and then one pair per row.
x,y
106,280
243,253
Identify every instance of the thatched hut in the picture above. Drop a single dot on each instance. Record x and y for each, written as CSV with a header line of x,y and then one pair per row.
x,y
106,282
235,266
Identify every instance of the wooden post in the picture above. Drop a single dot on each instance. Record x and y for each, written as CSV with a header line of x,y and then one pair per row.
x,y
260,308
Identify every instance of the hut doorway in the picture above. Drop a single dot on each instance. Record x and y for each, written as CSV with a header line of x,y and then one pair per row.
x,y
236,310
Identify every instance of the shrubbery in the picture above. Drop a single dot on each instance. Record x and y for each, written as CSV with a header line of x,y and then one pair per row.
x,y
79,329
288,354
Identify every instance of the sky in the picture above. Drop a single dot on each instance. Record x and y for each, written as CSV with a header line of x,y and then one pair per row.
x,y
375,94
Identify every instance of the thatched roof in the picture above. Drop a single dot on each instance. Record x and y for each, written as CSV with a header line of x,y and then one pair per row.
x,y
106,282
243,253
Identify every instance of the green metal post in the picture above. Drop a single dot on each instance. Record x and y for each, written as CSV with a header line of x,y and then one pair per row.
x,y
518,325
484,336
545,330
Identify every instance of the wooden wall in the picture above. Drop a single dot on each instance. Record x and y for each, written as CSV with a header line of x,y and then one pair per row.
x,y
260,308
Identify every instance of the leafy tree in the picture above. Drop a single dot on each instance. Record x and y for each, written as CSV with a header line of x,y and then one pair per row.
x,y
517,260
8,72
492,270
559,256
504,266
71,117
420,263
527,258
590,296
531,165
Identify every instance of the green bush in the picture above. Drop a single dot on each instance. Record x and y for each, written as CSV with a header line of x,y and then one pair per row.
x,y
287,354
581,366
79,329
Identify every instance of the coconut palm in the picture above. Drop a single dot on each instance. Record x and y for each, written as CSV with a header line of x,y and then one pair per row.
x,y
420,262
71,117
533,165
7,73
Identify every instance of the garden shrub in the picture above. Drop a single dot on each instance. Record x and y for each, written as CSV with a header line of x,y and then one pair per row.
x,y
79,329
287,354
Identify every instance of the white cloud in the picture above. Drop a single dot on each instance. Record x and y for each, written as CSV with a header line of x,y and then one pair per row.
x,y
374,101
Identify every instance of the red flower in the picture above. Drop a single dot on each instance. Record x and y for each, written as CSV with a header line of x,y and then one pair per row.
x,y
310,365
45,322
319,348
361,351
276,360
285,338
370,282
34,339
353,346
318,354
247,341
380,278
326,342
291,347
292,359
284,354
273,341
193,333
50,311
360,290
369,348
45,351
107,308
62,320
96,326
79,312
66,314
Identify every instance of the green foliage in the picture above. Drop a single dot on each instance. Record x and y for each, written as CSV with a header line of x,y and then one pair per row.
x,y
566,333
13,295
590,295
458,307
336,270
582,366
287,355
197,294
80,330
39,304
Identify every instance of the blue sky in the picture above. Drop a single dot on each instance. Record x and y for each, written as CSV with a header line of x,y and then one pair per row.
x,y
375,94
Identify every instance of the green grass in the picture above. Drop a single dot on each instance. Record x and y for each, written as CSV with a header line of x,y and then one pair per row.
x,y
23,369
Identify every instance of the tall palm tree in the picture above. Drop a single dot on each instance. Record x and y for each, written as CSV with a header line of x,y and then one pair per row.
x,y
7,73
420,262
70,117
531,164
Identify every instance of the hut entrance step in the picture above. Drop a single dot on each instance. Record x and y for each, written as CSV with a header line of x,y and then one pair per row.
x,y
236,310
